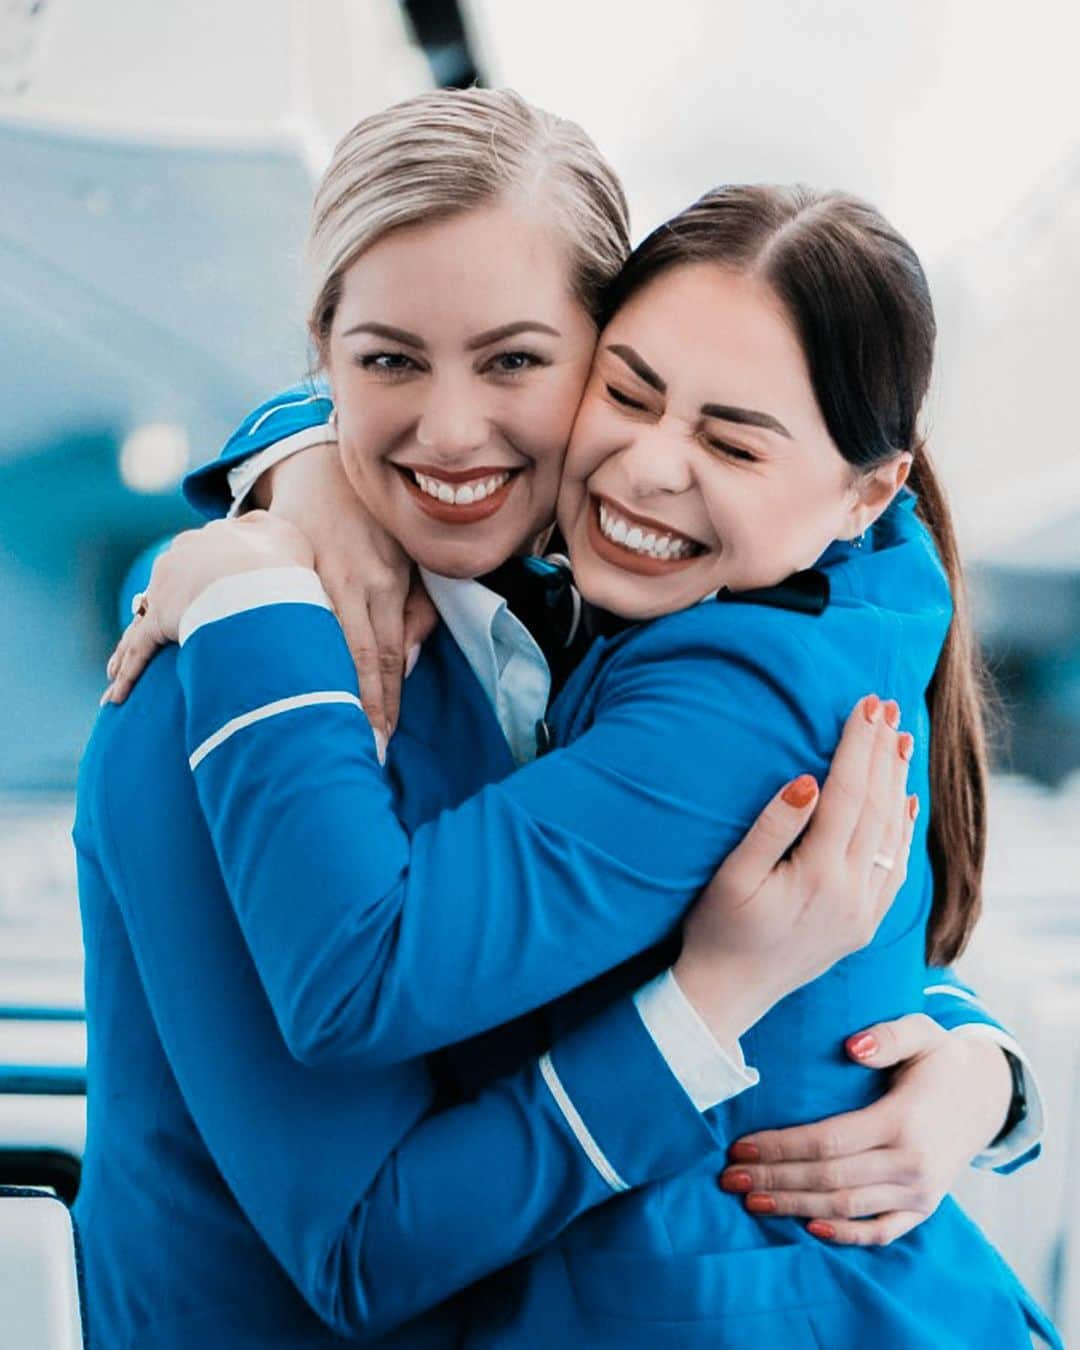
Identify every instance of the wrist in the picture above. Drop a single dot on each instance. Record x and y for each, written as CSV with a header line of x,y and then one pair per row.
x,y
274,486
994,1086
728,997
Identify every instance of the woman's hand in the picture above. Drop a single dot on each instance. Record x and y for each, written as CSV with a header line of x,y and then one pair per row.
x,y
766,924
192,561
382,605
870,1176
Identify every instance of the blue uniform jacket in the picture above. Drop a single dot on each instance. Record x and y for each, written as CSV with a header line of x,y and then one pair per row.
x,y
377,940
232,1197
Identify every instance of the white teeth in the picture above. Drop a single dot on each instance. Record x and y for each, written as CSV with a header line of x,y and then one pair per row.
x,y
464,494
638,540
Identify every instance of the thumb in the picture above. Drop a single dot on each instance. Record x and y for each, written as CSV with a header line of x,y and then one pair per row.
x,y
889,1043
771,836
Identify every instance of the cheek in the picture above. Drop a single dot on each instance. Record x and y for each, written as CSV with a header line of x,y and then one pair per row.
x,y
544,416
370,423
593,440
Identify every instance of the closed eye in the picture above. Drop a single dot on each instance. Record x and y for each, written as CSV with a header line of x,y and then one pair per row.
x,y
625,399
732,451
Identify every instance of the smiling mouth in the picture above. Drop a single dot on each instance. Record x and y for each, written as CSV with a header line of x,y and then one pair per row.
x,y
458,498
638,544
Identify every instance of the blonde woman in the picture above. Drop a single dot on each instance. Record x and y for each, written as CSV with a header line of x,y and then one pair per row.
x,y
164,888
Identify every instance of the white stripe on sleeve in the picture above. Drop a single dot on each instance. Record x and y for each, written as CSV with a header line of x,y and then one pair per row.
x,y
953,989
251,590
281,705
591,1148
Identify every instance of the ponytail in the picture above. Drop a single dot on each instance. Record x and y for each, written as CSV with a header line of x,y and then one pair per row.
x,y
957,699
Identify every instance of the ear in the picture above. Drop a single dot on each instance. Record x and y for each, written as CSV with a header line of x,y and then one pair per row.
x,y
873,492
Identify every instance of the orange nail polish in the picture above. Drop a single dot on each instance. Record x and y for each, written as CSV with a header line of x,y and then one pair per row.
x,y
905,743
744,1152
739,1183
913,807
821,1229
892,713
761,1204
801,792
862,1047
871,706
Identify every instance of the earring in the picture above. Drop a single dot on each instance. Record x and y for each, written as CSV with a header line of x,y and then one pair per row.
x,y
859,540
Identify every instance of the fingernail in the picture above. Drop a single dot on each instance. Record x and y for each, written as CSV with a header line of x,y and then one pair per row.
x,y
801,792
411,658
871,707
892,713
380,745
110,669
761,1204
821,1229
913,807
905,743
863,1046
738,1182
105,697
744,1152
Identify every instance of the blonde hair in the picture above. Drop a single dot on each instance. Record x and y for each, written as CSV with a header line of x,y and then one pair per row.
x,y
447,152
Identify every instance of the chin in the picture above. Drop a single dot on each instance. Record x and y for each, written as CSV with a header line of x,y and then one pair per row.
x,y
616,595
464,560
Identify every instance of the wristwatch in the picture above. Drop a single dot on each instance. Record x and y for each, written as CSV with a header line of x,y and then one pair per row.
x,y
1018,1105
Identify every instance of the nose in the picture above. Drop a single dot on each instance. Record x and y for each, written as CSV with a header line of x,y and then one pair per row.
x,y
452,422
657,461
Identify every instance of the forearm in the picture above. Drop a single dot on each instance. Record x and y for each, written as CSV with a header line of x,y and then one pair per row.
x,y
374,944
956,1007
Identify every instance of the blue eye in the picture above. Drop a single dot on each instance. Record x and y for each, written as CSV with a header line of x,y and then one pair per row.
x,y
513,363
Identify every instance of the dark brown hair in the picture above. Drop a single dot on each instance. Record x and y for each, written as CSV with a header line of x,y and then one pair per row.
x,y
858,299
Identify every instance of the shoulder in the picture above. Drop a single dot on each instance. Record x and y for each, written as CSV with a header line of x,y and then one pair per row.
x,y
136,748
732,633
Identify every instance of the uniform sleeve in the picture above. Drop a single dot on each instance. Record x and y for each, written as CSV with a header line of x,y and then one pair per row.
x,y
376,1207
375,945
956,1006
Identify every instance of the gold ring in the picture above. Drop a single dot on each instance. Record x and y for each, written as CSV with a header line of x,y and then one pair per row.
x,y
139,605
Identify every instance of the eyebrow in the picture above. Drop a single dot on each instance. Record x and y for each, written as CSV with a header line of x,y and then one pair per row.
x,y
639,366
384,330
508,330
407,339
747,417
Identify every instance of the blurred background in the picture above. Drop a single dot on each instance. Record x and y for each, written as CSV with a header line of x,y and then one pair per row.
x,y
156,164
